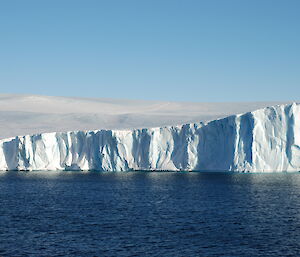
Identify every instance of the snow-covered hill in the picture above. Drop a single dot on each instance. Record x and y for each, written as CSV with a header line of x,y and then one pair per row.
x,y
33,114
264,140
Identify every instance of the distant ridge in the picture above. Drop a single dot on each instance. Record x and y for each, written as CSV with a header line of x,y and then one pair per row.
x,y
33,114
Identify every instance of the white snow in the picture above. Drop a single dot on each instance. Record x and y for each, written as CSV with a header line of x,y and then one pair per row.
x,y
264,140
33,114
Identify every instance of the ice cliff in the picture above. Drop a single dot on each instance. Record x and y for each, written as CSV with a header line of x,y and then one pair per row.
x,y
264,140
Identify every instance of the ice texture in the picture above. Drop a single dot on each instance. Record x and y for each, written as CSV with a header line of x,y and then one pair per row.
x,y
265,140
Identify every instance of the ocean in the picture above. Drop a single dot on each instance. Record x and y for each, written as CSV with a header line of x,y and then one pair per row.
x,y
149,214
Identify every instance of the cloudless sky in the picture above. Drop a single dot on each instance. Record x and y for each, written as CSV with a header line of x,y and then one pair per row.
x,y
204,51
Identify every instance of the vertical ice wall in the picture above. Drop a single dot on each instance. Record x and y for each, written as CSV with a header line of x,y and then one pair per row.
x,y
264,140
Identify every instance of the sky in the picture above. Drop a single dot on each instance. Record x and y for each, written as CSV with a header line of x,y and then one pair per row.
x,y
188,50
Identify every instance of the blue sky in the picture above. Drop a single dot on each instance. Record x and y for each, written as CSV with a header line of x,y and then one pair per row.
x,y
203,51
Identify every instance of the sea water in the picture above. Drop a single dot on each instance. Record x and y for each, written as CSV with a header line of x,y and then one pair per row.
x,y
149,214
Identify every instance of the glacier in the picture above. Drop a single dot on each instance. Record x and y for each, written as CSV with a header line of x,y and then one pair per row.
x,y
265,140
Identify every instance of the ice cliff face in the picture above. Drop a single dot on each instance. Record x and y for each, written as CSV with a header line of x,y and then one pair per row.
x,y
264,140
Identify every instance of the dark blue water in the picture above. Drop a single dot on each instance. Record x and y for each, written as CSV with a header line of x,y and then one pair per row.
x,y
149,214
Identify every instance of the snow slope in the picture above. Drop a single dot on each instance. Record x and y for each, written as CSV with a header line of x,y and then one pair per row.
x,y
33,114
264,140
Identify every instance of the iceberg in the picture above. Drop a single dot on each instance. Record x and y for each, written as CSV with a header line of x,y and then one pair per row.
x,y
265,140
